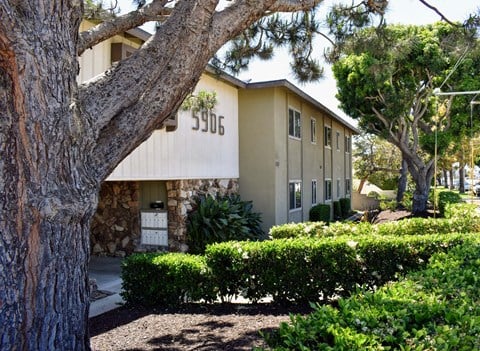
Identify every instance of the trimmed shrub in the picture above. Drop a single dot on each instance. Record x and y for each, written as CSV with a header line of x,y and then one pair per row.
x,y
165,279
307,269
337,210
295,230
320,213
434,309
222,219
447,197
463,218
345,204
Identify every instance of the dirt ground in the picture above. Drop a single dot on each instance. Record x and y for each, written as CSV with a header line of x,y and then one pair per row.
x,y
233,327
193,327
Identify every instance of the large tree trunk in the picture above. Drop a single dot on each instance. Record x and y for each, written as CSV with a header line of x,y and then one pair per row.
x,y
445,177
461,177
361,185
422,175
402,182
450,174
59,141
47,195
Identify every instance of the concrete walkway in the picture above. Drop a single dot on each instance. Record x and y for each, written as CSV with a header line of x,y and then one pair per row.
x,y
106,272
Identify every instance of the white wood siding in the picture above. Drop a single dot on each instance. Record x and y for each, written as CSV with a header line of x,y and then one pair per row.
x,y
187,153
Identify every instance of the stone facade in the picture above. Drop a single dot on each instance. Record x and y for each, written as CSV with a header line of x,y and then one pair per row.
x,y
181,196
115,229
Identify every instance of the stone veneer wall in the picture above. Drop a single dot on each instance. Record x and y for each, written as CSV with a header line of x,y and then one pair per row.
x,y
115,229
181,196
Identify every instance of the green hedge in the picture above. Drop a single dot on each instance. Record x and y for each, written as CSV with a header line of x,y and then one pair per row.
x,y
302,270
434,309
345,204
165,279
446,197
320,213
461,218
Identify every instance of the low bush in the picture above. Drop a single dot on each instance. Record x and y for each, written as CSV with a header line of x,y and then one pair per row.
x,y
345,204
301,270
437,308
337,211
446,197
165,279
462,218
222,219
320,213
296,230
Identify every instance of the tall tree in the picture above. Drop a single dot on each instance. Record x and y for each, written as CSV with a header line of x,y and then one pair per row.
x,y
386,80
59,140
376,160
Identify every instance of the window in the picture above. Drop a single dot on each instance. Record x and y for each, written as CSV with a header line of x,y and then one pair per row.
x,y
328,136
313,130
347,144
339,189
338,141
295,195
347,187
328,189
294,123
314,191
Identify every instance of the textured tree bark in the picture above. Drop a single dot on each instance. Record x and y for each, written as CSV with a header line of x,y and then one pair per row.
x,y
47,194
422,175
402,182
59,141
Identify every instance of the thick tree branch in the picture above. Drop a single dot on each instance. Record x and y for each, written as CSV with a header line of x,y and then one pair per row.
x,y
233,20
437,11
109,28
293,6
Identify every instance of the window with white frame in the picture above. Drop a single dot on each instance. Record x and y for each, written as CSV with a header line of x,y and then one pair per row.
x,y
313,130
294,123
347,187
338,141
327,137
328,189
314,191
295,194
347,144
339,189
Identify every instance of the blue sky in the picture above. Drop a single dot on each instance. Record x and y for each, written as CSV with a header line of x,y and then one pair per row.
x,y
400,11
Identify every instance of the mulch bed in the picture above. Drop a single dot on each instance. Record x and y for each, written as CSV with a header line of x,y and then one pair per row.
x,y
192,327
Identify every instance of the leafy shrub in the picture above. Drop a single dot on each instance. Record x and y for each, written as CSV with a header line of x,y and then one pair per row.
x,y
447,197
310,269
345,204
434,309
295,230
165,279
222,219
320,213
337,210
388,205
463,218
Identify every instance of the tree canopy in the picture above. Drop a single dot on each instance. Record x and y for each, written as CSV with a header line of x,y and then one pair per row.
x,y
386,79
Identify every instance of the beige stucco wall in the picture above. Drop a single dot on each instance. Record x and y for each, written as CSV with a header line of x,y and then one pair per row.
x,y
257,152
265,172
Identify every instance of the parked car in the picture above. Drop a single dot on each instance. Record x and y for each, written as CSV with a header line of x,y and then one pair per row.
x,y
476,189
